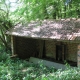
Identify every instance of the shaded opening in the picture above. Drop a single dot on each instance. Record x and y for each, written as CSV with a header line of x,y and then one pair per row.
x,y
25,47
60,52
28,47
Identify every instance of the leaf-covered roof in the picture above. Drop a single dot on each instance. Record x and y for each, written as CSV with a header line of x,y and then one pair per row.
x,y
64,29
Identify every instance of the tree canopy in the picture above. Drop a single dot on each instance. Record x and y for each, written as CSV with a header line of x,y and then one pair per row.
x,y
47,9
27,10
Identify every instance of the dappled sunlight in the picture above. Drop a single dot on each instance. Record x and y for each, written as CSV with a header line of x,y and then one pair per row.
x,y
53,29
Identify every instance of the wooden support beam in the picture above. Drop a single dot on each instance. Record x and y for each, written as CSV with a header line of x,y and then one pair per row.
x,y
13,45
78,56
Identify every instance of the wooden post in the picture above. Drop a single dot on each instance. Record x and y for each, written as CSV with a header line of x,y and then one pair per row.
x,y
78,56
13,46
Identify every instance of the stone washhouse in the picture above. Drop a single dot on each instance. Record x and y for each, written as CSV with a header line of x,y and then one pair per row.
x,y
53,40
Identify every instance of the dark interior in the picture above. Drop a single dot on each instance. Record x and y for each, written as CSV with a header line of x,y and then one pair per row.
x,y
27,47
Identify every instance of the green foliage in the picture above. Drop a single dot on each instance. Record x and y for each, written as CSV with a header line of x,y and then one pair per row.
x,y
32,10
71,74
20,69
47,9
5,24
16,69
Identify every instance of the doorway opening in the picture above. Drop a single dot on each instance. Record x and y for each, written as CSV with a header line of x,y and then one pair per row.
x,y
60,52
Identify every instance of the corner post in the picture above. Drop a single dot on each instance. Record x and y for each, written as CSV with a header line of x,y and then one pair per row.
x,y
78,56
13,46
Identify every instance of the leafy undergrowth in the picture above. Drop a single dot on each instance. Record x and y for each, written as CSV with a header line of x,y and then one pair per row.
x,y
16,69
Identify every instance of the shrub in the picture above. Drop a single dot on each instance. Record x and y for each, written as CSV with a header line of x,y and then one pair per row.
x,y
16,69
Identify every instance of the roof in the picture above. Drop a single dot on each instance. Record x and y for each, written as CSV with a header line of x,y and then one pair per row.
x,y
64,29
